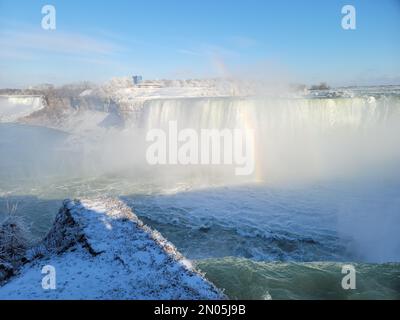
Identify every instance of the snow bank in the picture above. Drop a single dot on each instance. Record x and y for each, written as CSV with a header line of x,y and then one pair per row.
x,y
130,97
101,250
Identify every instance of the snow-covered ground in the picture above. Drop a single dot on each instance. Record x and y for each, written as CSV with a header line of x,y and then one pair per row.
x,y
101,250
131,97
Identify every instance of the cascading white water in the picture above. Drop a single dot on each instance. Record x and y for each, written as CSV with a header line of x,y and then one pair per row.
x,y
272,113
295,138
13,108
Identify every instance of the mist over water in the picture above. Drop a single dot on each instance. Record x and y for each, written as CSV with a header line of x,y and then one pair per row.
x,y
300,140
338,156
326,185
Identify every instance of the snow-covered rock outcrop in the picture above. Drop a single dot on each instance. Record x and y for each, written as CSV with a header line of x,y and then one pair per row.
x,y
100,250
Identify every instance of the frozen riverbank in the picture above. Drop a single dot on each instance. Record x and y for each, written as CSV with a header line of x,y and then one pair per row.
x,y
100,250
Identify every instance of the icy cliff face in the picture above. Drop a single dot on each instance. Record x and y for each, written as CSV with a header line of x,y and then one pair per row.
x,y
87,107
70,108
100,250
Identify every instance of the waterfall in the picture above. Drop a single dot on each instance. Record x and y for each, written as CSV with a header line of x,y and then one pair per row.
x,y
285,114
12,108
295,138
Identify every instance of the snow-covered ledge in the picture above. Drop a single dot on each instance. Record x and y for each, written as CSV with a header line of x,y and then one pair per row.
x,y
101,250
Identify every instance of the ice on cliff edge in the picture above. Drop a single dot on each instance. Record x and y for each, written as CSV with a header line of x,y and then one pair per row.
x,y
101,250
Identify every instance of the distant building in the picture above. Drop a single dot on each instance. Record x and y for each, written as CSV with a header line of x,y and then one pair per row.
x,y
137,79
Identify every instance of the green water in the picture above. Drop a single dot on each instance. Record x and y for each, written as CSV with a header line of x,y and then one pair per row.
x,y
247,279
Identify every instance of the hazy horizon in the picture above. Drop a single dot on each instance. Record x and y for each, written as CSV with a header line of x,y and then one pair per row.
x,y
36,86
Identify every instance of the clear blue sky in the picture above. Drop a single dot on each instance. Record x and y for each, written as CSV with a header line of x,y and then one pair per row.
x,y
300,39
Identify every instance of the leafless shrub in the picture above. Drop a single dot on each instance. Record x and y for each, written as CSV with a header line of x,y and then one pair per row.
x,y
14,236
